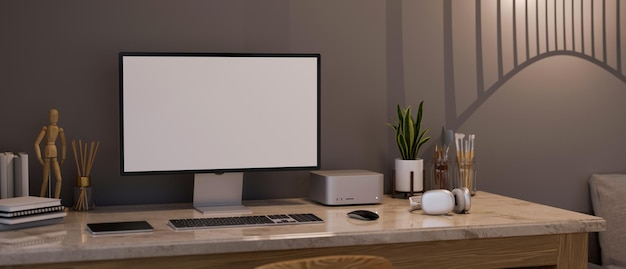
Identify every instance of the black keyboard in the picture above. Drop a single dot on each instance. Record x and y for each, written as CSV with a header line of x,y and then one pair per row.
x,y
243,221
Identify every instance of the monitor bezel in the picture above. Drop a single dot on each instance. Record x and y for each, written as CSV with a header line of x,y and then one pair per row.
x,y
121,56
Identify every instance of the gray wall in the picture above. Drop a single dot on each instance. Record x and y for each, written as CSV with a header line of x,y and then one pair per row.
x,y
63,55
541,132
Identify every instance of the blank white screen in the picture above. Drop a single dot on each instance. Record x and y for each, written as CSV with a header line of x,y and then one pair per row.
x,y
200,113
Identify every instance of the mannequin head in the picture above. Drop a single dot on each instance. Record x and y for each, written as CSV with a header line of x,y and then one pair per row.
x,y
54,116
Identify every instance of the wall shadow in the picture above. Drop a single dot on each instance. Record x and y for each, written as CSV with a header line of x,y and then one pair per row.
x,y
537,30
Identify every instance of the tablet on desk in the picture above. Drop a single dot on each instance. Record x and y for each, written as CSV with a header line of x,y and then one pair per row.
x,y
119,227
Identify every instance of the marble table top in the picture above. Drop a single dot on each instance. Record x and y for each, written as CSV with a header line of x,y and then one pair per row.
x,y
491,216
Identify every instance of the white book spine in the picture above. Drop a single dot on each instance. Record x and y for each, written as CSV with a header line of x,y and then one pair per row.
x,y
21,174
10,176
4,180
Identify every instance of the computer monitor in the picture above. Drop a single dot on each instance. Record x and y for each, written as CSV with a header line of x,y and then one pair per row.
x,y
218,115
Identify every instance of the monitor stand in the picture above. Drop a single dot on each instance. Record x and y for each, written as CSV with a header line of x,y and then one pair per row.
x,y
219,193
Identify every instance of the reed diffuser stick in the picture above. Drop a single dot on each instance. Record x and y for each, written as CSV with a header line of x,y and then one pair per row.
x,y
76,157
87,153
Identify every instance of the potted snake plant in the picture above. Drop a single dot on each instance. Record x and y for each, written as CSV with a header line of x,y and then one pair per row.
x,y
409,138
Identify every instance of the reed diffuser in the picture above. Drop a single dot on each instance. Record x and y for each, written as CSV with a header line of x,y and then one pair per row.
x,y
84,154
465,159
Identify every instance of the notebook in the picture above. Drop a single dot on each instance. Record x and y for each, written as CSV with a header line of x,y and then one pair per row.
x,y
26,202
35,217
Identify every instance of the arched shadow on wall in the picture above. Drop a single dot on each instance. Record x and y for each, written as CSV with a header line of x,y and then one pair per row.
x,y
564,26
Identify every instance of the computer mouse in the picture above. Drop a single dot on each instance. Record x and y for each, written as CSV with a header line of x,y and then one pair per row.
x,y
363,215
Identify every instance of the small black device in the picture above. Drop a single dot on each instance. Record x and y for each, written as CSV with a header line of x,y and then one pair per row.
x,y
363,215
119,227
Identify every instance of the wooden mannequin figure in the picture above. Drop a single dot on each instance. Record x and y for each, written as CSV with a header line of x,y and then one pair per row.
x,y
50,157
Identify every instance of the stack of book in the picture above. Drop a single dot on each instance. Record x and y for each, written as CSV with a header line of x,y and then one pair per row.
x,y
30,211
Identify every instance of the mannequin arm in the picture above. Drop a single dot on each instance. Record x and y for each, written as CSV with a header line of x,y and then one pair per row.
x,y
40,137
63,145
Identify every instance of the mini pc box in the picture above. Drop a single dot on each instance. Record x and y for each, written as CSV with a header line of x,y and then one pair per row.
x,y
346,187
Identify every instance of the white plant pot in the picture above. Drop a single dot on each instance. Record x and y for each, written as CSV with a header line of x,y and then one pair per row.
x,y
403,175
